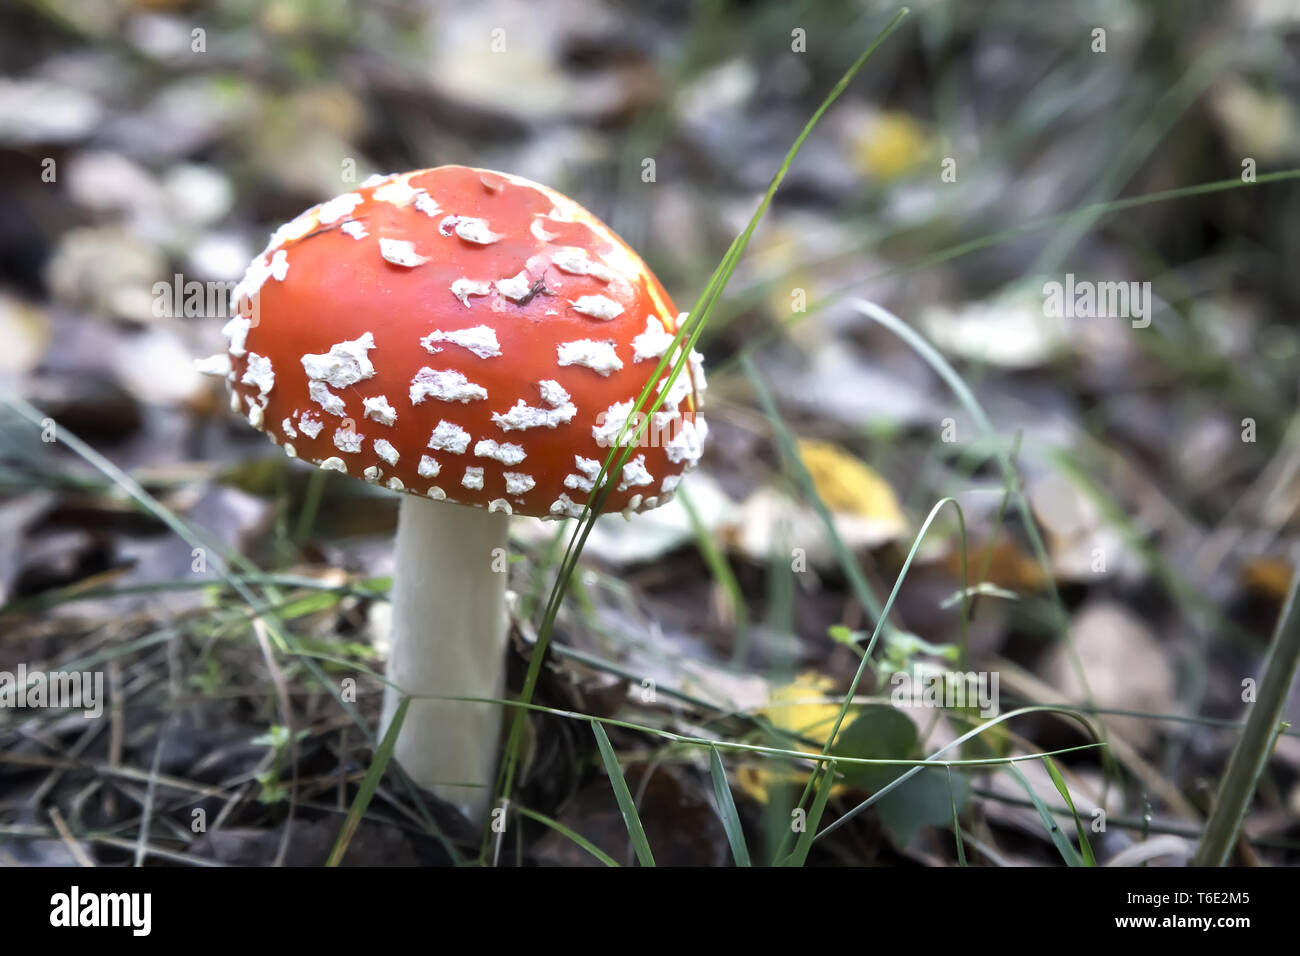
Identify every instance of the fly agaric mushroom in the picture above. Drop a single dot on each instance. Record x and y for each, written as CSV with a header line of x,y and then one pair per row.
x,y
476,341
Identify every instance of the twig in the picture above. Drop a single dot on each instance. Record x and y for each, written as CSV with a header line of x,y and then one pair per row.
x,y
75,848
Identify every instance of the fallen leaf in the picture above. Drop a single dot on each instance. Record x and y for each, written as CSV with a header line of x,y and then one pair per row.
x,y
1082,544
848,485
1010,567
1010,330
1125,665
1270,577
800,707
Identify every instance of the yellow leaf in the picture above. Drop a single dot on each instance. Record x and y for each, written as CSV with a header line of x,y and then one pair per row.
x,y
1268,576
847,485
801,708
1010,567
889,146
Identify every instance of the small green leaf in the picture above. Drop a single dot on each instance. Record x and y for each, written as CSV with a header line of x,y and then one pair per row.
x,y
844,635
309,604
884,733
879,732
923,801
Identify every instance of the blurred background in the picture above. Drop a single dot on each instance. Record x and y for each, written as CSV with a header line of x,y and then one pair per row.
x,y
986,150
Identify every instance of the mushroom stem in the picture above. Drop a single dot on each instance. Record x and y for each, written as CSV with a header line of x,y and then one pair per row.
x,y
448,639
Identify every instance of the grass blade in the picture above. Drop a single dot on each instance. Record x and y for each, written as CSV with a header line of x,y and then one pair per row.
x,y
1257,738
1085,848
880,623
956,823
624,797
800,853
727,809
1063,846
369,784
794,462
1011,479
569,834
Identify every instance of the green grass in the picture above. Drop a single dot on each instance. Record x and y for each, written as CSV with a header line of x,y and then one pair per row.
x,y
626,805
370,783
727,809
243,595
1258,737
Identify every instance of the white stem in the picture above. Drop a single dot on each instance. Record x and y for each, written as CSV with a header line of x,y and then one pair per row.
x,y
448,639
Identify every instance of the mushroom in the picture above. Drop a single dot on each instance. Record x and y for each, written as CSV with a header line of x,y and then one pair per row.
x,y
475,341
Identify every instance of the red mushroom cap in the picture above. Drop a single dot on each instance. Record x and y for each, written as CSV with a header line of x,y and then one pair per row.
x,y
462,334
